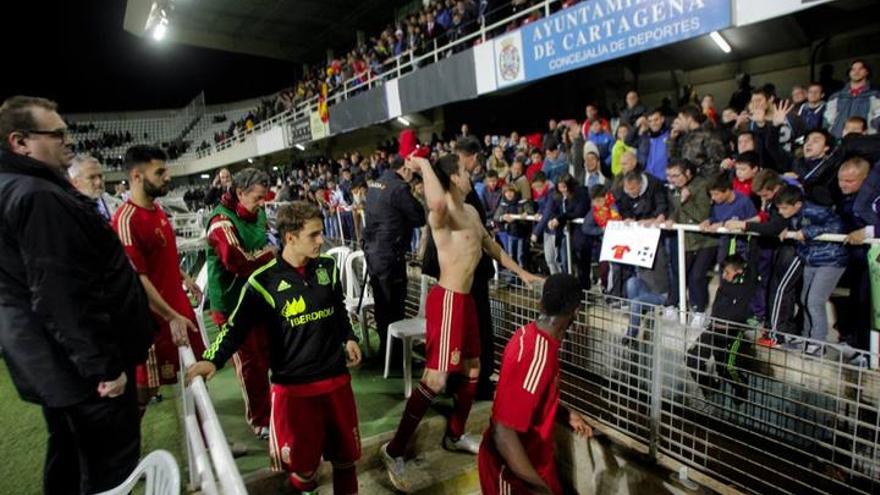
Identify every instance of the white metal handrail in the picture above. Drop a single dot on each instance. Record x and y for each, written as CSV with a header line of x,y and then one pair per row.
x,y
196,394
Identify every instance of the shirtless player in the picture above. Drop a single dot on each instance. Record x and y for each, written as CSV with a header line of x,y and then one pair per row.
x,y
452,344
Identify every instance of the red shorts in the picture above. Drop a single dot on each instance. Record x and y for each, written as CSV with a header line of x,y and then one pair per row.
x,y
453,333
163,360
304,427
497,479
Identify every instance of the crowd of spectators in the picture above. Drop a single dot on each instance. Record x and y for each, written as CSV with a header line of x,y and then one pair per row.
x,y
443,21
412,35
788,169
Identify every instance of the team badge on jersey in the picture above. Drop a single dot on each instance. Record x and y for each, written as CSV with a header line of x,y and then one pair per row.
x,y
323,277
167,371
455,358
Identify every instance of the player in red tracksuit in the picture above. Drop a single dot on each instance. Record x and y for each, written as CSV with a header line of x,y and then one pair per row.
x,y
516,455
148,239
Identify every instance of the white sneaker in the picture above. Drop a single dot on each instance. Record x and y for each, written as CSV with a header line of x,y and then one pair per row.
x,y
396,468
262,432
813,350
670,313
465,443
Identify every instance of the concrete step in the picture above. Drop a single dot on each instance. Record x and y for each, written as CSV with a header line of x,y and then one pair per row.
x,y
433,470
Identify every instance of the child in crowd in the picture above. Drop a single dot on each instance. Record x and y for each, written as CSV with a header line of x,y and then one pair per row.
x,y
491,193
824,262
778,264
725,339
516,231
603,210
746,168
541,189
536,163
727,204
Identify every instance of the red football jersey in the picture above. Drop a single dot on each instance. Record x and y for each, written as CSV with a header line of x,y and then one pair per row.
x,y
527,395
150,243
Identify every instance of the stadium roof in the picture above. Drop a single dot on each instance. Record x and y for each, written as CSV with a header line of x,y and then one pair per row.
x,y
293,30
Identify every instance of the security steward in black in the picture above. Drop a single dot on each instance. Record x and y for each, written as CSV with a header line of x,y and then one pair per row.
x,y
468,149
74,318
392,213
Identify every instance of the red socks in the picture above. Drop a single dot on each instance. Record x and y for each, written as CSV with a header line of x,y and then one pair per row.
x,y
463,400
416,406
301,484
345,480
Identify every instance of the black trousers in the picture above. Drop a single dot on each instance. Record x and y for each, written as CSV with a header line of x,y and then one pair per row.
x,y
854,317
731,353
480,293
783,291
389,293
94,445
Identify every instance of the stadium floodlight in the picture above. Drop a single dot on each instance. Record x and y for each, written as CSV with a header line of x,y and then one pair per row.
x,y
299,147
403,121
205,176
158,20
275,168
250,160
159,30
721,42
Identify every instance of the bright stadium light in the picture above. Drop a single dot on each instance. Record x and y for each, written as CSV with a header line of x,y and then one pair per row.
x,y
205,176
275,168
403,121
299,147
159,30
159,19
250,160
721,42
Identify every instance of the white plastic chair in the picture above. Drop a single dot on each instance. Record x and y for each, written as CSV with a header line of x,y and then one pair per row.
x,y
161,473
352,283
408,331
340,254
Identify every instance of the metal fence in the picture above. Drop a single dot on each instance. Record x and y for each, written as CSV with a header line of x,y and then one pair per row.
x,y
745,418
763,420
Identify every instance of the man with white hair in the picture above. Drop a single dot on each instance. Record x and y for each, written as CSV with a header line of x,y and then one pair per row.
x,y
87,176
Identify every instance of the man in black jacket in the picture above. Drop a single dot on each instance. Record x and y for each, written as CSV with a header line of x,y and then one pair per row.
x,y
392,215
297,297
74,318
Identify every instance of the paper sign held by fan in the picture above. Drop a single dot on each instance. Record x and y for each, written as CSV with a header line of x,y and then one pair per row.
x,y
630,244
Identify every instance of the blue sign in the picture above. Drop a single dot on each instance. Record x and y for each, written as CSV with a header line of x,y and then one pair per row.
x,y
599,30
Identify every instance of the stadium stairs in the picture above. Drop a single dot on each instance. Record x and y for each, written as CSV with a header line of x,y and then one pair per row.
x,y
604,467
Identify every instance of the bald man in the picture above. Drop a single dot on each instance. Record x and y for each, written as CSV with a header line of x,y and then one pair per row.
x,y
87,176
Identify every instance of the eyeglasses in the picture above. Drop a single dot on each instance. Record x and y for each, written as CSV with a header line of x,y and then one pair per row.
x,y
57,134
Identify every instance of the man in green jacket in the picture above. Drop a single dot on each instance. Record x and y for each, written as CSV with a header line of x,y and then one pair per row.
x,y
690,204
